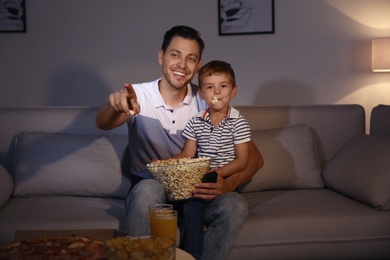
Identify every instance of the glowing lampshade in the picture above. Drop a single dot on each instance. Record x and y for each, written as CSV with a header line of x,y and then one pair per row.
x,y
381,55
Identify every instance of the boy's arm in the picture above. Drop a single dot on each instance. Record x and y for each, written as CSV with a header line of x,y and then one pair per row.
x,y
238,164
189,149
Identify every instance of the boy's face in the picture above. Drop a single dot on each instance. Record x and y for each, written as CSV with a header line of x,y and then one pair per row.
x,y
180,62
217,91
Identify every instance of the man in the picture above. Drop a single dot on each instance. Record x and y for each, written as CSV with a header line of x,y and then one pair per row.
x,y
156,113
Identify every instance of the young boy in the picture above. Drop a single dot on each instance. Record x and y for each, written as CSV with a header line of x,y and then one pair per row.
x,y
219,132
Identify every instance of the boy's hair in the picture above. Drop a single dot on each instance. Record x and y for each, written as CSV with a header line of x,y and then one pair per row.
x,y
216,67
185,32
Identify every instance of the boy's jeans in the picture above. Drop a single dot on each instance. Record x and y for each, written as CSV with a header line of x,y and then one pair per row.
x,y
193,211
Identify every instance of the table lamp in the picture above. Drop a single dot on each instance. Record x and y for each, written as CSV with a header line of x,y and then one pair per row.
x,y
381,55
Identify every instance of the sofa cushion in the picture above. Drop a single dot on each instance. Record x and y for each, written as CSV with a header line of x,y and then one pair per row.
x,y
70,164
361,170
290,160
6,185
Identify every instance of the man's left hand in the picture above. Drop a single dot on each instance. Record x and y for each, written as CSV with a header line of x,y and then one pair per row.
x,y
209,191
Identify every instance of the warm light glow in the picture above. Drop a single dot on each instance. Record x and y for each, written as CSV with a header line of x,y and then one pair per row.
x,y
381,55
371,13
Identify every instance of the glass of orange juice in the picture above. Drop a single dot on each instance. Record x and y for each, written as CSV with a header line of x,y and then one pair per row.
x,y
159,208
164,224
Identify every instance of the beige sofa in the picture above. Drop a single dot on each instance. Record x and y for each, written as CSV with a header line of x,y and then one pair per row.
x,y
323,192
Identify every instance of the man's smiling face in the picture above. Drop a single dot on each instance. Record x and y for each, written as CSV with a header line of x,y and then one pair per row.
x,y
180,62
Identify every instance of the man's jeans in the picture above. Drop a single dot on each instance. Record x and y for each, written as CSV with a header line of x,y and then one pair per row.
x,y
224,217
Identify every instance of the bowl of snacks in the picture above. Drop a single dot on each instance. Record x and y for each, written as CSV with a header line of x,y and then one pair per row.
x,y
145,248
179,176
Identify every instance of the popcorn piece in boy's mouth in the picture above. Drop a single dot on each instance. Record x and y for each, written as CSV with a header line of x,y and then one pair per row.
x,y
214,100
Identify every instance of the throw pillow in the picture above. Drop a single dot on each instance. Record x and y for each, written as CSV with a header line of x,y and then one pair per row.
x,y
361,170
70,164
290,160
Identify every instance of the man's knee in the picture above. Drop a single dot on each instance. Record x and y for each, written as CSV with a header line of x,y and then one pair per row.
x,y
147,185
146,192
238,202
232,205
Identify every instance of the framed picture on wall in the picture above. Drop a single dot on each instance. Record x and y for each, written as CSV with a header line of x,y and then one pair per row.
x,y
245,17
12,16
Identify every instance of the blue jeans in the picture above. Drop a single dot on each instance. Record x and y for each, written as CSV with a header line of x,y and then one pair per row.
x,y
193,227
143,194
223,217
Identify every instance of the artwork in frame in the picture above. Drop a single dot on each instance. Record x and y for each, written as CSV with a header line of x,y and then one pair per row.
x,y
12,16
245,17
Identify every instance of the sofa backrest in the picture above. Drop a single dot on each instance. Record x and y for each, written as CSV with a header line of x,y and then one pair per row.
x,y
333,125
75,120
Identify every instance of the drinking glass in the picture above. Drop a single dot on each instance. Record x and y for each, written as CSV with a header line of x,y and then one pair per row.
x,y
164,224
159,208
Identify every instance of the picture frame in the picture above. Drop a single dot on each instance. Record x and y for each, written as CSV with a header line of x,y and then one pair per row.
x,y
12,16
240,17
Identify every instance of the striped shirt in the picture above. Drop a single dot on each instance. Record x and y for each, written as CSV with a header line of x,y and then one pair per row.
x,y
218,142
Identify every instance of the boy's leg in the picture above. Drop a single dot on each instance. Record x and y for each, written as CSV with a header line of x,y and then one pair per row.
x,y
194,227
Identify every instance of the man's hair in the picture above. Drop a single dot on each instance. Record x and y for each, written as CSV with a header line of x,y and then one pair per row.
x,y
185,32
216,67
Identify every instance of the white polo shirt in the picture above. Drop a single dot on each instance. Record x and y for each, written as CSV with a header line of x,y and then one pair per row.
x,y
156,132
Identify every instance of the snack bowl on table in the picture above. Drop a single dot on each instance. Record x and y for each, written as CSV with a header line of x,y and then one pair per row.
x,y
179,176
145,248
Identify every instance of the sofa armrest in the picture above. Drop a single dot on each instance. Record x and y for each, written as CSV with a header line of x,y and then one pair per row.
x,y
360,170
379,124
6,185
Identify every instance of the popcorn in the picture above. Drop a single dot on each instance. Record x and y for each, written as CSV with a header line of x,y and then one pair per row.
x,y
179,176
124,248
214,100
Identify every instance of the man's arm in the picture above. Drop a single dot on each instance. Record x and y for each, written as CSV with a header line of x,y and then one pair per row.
x,y
209,191
122,104
254,164
238,164
108,118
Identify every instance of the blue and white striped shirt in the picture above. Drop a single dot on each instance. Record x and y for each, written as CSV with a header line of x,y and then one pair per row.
x,y
218,142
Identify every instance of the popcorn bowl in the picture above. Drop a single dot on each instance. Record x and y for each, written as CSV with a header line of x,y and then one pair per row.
x,y
179,176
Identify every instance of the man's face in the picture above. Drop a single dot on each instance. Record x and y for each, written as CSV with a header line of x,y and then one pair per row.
x,y
180,62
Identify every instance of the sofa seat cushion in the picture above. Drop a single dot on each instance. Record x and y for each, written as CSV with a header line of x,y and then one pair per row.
x,y
70,164
290,160
304,219
361,170
42,213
